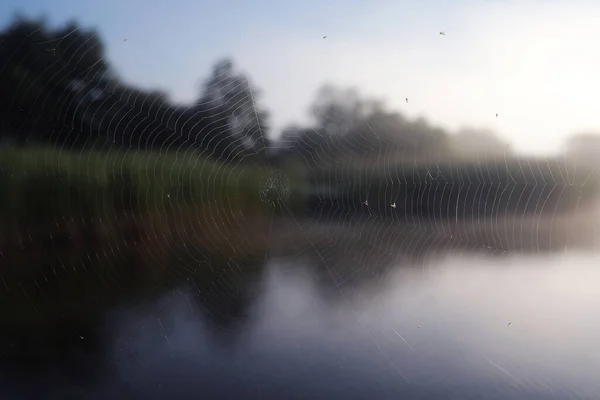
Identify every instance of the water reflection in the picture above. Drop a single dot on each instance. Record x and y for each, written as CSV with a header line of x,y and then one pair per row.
x,y
440,334
352,310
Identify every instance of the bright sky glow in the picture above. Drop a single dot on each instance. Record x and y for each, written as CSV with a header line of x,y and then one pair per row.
x,y
534,63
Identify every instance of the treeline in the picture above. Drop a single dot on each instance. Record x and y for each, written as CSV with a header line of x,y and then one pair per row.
x,y
59,88
351,129
363,159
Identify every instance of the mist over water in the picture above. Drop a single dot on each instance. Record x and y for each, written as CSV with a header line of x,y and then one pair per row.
x,y
410,235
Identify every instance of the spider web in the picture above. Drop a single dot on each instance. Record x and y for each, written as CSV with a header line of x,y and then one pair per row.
x,y
115,195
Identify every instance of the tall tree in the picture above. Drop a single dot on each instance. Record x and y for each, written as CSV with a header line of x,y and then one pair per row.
x,y
337,110
229,95
42,72
57,86
350,126
472,143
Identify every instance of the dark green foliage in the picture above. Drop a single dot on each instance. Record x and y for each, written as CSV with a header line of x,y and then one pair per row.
x,y
59,89
459,189
42,185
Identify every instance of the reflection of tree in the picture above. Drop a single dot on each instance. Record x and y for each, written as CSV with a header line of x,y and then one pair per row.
x,y
223,290
349,256
54,310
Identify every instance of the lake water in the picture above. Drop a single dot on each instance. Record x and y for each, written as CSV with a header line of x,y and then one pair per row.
x,y
374,311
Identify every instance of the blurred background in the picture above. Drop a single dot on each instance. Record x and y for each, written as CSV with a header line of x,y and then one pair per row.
x,y
340,199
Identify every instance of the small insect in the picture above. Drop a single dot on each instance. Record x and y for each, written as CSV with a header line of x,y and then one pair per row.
x,y
496,115
393,205
442,33
510,323
325,37
125,39
407,99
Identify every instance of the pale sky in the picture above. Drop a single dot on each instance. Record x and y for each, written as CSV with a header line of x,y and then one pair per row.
x,y
534,63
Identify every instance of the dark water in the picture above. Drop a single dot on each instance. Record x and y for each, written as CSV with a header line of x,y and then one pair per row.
x,y
372,311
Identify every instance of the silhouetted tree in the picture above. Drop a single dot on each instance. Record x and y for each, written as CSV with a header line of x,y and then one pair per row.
x,y
58,87
229,96
350,127
42,72
473,143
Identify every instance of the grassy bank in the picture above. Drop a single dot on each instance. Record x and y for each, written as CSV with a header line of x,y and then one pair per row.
x,y
39,185
81,231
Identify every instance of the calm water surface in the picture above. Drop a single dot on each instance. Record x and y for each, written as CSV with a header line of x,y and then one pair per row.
x,y
334,318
